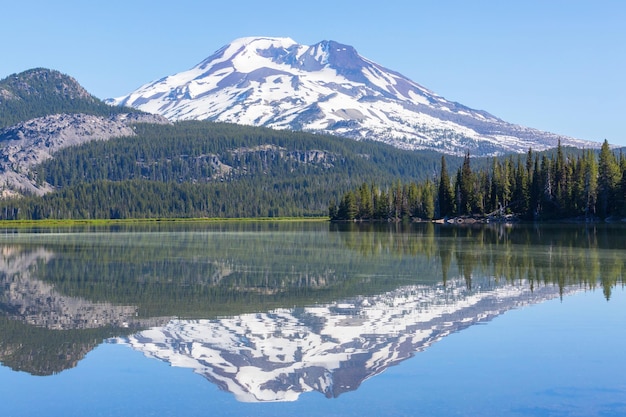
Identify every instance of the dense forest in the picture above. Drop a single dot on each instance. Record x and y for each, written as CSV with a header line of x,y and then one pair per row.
x,y
205,169
587,185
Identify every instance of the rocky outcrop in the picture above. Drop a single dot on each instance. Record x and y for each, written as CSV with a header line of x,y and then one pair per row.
x,y
30,143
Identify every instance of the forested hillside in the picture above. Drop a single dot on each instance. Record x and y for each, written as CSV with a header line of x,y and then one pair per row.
x,y
40,92
205,169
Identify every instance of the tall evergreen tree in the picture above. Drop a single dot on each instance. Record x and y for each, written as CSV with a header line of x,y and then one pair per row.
x,y
428,200
590,194
608,178
466,193
445,193
348,207
366,202
536,191
521,192
621,201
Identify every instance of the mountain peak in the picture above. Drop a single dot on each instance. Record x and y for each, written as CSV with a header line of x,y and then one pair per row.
x,y
329,88
248,46
40,92
263,42
319,348
43,81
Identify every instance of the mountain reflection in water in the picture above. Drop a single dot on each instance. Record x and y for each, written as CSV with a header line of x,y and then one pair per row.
x,y
330,348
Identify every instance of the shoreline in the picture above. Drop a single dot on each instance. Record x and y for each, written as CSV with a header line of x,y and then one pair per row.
x,y
508,219
108,222
460,220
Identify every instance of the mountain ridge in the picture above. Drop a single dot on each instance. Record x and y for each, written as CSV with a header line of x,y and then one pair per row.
x,y
329,88
41,92
43,111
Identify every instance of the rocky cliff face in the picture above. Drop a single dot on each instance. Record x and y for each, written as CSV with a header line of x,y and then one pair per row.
x,y
29,143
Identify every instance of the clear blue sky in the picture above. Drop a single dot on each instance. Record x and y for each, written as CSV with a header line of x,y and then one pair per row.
x,y
556,65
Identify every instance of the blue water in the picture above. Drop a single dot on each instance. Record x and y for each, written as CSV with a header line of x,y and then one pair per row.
x,y
511,352
559,358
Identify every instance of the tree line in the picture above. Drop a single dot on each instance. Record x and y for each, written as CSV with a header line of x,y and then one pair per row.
x,y
590,185
205,169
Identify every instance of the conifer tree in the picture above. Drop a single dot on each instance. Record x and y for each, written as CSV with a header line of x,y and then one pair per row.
x,y
445,193
347,208
536,192
590,194
466,191
608,178
366,203
428,200
521,190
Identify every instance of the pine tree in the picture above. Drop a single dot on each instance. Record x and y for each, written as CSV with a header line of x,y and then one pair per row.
x,y
414,200
428,200
590,184
536,191
347,208
547,182
466,192
622,194
382,206
366,203
445,193
332,210
521,189
608,178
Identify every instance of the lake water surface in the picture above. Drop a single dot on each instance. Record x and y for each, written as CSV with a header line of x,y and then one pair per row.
x,y
313,319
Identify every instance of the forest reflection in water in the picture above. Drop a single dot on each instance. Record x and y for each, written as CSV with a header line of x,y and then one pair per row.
x,y
271,310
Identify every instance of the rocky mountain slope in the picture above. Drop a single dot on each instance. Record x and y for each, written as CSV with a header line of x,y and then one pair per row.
x,y
328,87
51,111
30,143
42,330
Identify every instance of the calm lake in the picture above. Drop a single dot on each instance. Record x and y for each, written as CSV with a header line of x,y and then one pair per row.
x,y
313,319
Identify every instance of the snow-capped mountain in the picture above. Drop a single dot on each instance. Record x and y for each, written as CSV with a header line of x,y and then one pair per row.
x,y
332,348
329,88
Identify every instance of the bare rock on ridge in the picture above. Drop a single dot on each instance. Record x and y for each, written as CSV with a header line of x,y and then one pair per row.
x,y
32,142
